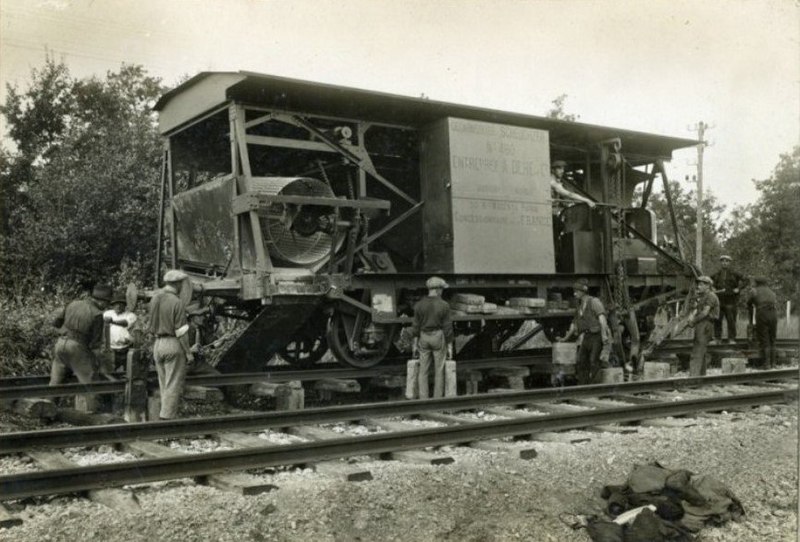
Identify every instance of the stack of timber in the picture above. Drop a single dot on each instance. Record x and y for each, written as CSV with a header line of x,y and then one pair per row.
x,y
472,304
527,305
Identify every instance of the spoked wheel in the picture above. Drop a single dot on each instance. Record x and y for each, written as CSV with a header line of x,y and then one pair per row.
x,y
305,349
359,342
308,344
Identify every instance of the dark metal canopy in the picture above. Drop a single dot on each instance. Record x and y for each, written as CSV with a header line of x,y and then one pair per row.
x,y
197,95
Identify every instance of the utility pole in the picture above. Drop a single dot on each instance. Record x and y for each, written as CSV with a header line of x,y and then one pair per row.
x,y
698,253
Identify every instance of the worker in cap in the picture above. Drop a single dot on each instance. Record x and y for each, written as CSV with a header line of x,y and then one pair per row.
x,y
702,319
78,346
591,327
171,350
728,284
120,322
560,192
432,332
762,305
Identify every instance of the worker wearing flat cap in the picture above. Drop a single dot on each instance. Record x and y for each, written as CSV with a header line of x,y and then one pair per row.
x,y
703,319
762,304
727,284
432,331
560,192
171,350
81,337
591,327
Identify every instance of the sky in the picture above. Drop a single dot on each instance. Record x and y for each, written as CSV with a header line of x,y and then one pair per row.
x,y
649,65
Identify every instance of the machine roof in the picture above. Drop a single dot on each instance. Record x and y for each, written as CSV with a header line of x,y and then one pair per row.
x,y
207,90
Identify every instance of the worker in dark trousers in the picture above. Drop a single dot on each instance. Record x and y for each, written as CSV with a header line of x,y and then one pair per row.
x,y
706,314
171,350
764,303
202,328
727,284
433,336
591,326
81,337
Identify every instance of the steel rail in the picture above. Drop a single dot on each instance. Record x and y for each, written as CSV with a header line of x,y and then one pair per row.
x,y
534,356
111,433
17,486
539,359
235,379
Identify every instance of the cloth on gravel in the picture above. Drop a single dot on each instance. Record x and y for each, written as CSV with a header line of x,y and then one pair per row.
x,y
684,503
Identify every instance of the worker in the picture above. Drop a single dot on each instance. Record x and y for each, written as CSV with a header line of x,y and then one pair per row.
x,y
433,336
81,337
591,326
202,328
703,319
764,303
727,284
171,350
560,192
120,322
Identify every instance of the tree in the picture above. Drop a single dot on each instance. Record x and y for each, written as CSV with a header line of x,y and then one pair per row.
x,y
765,236
684,203
558,111
84,177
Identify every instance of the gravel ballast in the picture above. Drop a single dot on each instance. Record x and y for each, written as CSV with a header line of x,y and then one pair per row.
x,y
483,496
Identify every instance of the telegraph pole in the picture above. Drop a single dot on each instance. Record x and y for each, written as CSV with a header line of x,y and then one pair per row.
x,y
701,130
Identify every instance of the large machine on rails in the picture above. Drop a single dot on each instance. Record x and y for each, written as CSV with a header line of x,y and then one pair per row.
x,y
317,212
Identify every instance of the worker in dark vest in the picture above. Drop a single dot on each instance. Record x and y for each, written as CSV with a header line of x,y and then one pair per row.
x,y
81,337
591,327
433,336
706,313
727,284
171,350
764,303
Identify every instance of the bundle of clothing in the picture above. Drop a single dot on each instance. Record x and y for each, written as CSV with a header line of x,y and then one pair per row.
x,y
658,504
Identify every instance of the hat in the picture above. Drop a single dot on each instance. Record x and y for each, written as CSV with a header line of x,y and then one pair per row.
x,y
102,292
581,284
725,257
558,163
706,279
118,299
435,282
761,280
174,275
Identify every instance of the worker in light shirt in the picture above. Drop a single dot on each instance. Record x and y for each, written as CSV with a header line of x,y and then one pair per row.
x,y
120,322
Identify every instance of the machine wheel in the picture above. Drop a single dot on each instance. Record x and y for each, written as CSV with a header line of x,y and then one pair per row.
x,y
305,349
363,347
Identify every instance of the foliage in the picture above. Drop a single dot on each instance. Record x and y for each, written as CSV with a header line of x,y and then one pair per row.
x,y
684,203
765,236
84,178
558,110
27,339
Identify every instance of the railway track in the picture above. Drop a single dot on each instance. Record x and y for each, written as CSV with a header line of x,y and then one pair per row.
x,y
538,360
633,401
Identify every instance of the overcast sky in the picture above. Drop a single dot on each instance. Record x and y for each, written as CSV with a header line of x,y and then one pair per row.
x,y
656,66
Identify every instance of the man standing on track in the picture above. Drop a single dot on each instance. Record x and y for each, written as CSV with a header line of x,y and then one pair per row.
x,y
81,324
727,283
703,322
591,326
764,302
433,336
171,350
120,321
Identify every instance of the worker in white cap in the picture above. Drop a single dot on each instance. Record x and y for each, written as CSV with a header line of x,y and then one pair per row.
x,y
703,321
727,284
433,336
171,350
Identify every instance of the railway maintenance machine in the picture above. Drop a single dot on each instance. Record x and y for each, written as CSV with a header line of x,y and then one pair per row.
x,y
316,213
